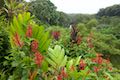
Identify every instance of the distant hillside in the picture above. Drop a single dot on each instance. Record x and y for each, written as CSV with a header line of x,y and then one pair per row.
x,y
110,11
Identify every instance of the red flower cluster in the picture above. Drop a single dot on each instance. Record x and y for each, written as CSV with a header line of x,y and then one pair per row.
x,y
79,39
96,69
56,35
38,58
89,41
82,65
29,31
98,59
110,68
34,45
59,77
62,75
16,40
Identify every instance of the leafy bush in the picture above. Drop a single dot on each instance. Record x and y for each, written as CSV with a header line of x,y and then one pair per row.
x,y
77,68
92,23
84,52
4,42
29,43
31,58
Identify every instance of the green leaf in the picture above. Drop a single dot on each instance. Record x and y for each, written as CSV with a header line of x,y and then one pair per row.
x,y
77,61
44,66
63,63
50,62
69,64
57,56
14,64
111,78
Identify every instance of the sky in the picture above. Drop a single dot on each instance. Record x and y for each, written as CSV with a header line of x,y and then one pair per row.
x,y
82,6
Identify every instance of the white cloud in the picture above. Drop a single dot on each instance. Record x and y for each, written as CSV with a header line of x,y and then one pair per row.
x,y
83,6
27,0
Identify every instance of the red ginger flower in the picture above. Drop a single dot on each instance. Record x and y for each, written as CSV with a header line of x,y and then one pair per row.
x,y
96,69
63,73
34,45
16,40
98,59
38,58
79,39
29,31
110,68
82,65
56,35
59,77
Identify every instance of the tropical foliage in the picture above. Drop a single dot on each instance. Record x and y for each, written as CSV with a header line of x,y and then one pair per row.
x,y
110,11
38,45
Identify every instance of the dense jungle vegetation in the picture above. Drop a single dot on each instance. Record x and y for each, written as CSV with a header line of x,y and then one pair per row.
x,y
37,42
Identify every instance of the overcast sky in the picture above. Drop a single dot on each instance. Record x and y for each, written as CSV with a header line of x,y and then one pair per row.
x,y
82,6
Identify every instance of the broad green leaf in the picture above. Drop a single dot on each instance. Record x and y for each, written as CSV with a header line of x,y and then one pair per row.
x,y
63,63
50,62
44,66
77,60
69,64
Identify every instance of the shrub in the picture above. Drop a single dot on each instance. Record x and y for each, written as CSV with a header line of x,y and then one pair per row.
x,y
4,42
29,43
